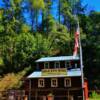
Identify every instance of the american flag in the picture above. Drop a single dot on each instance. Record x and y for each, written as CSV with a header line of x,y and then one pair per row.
x,y
76,45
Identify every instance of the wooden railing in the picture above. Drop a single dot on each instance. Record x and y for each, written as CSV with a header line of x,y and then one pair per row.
x,y
13,95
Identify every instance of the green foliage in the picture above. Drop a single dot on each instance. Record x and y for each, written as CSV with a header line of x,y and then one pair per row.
x,y
1,61
25,28
24,37
37,5
1,18
66,9
1,14
18,48
91,47
95,96
25,45
12,81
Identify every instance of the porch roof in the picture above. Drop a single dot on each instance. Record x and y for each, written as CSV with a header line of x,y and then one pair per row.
x,y
59,58
70,73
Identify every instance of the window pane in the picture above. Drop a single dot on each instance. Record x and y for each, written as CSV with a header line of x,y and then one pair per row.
x,y
67,82
46,65
67,65
41,83
57,64
54,82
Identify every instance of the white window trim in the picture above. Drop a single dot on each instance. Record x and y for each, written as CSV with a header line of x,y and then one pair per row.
x,y
58,63
67,85
45,64
39,85
52,85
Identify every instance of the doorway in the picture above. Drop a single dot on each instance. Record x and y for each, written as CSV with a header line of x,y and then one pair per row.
x,y
42,98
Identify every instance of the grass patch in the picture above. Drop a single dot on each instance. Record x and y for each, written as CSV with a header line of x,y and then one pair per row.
x,y
95,96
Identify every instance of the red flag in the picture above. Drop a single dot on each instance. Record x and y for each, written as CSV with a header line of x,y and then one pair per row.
x,y
76,45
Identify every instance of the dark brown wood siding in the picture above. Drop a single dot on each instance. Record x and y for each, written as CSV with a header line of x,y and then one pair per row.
x,y
34,83
60,92
41,65
75,82
62,64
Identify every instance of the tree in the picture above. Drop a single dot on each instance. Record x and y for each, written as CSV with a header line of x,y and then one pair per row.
x,y
12,16
46,15
35,8
91,47
12,80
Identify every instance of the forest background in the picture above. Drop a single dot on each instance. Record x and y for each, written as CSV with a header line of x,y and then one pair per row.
x,y
30,30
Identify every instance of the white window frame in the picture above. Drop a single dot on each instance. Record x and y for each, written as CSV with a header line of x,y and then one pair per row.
x,y
65,84
39,83
54,79
45,65
67,64
57,64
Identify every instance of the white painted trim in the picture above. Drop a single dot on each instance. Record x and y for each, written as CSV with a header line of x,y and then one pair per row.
x,y
58,64
52,85
67,85
39,84
45,65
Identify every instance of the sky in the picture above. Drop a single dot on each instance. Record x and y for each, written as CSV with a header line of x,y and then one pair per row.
x,y
92,4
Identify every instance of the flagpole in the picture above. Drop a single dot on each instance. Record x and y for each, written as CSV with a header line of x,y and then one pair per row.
x,y
81,59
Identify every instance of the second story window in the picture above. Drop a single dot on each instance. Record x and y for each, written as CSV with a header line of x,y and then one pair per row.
x,y
75,65
57,64
54,82
46,65
41,83
67,65
67,82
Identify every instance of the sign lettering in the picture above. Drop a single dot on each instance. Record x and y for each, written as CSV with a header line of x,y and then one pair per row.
x,y
60,71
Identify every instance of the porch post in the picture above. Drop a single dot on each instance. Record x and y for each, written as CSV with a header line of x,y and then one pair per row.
x,y
30,89
36,95
68,94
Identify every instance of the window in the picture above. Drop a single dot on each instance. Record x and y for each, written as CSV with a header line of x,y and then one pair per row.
x,y
41,83
75,65
67,65
57,64
67,82
46,65
54,82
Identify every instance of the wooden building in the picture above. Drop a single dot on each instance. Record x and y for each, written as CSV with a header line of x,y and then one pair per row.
x,y
56,78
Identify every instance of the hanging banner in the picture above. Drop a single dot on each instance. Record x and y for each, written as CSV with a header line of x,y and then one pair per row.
x,y
60,71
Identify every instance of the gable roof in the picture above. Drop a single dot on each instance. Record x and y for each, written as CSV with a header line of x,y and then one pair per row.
x,y
59,58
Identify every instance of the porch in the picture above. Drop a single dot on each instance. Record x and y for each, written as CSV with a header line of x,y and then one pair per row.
x,y
56,94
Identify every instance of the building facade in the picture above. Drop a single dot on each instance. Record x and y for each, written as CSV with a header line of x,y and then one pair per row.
x,y
56,78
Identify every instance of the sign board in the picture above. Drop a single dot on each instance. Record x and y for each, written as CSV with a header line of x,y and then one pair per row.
x,y
59,71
